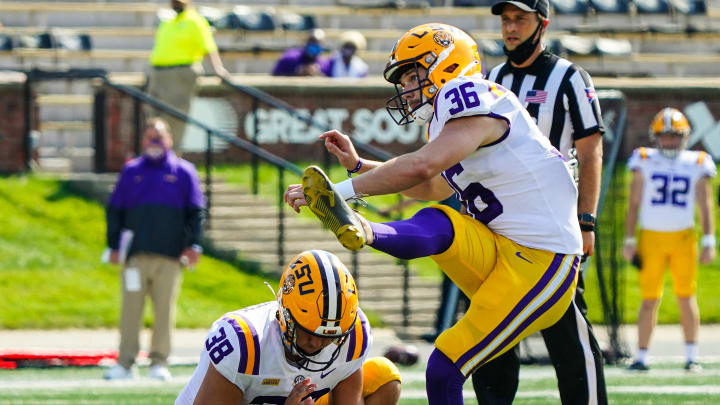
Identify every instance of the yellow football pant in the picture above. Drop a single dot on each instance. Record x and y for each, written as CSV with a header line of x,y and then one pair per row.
x,y
660,250
377,372
514,291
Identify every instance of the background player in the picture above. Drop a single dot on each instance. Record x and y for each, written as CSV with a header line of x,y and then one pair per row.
x,y
309,346
665,183
515,253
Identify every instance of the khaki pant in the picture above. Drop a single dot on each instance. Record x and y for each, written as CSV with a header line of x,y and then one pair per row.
x,y
175,86
160,277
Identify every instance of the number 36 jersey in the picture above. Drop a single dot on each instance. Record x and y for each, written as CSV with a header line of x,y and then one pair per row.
x,y
519,185
245,346
669,187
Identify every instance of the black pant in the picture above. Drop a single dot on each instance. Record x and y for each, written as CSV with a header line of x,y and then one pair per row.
x,y
496,382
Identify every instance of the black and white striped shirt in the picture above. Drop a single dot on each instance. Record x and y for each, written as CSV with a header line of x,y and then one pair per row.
x,y
559,95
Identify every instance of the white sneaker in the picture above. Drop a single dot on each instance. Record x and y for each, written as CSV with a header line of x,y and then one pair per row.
x,y
118,372
159,373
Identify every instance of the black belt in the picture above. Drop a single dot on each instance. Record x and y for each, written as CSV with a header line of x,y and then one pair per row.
x,y
171,67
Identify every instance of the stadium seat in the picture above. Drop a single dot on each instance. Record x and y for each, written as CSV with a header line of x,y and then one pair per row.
x,y
490,47
245,18
689,7
569,6
613,47
610,6
6,43
573,45
473,3
296,22
211,14
652,6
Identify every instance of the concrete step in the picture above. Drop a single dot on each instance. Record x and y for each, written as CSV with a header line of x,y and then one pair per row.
x,y
65,107
416,307
226,223
292,233
265,211
386,282
269,257
395,296
237,198
73,159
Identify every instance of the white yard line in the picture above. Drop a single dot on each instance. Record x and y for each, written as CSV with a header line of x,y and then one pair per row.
x,y
642,389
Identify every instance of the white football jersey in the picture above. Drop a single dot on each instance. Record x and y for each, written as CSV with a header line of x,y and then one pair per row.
x,y
245,346
519,186
669,187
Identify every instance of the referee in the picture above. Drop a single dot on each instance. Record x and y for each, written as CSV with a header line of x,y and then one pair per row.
x,y
561,98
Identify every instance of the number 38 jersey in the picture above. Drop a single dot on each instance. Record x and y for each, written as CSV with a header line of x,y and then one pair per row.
x,y
519,185
669,187
245,346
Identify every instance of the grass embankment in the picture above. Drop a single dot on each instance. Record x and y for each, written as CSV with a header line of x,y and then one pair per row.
x,y
50,271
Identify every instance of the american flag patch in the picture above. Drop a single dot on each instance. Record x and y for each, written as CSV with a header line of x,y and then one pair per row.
x,y
590,93
536,96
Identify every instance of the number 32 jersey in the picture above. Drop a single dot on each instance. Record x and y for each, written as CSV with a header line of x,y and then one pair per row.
x,y
245,346
519,185
669,187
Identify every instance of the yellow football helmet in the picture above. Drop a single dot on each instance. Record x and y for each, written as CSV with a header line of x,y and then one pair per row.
x,y
318,295
445,51
670,121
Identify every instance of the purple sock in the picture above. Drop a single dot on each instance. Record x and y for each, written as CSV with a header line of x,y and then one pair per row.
x,y
443,380
428,232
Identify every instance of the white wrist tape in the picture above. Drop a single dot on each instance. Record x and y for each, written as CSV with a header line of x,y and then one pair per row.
x,y
345,189
630,241
708,241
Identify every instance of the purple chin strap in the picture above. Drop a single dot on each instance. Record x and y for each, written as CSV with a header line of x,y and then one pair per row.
x,y
443,380
427,233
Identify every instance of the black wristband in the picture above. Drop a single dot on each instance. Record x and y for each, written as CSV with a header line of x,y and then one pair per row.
x,y
587,227
356,169
586,218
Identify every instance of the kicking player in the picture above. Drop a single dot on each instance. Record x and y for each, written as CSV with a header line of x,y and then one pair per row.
x,y
665,184
309,347
515,253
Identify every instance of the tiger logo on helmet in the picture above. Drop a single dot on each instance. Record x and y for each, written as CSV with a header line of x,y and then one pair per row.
x,y
446,52
670,121
318,295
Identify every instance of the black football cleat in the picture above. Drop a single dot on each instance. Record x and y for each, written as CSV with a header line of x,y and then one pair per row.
x,y
693,367
331,209
638,366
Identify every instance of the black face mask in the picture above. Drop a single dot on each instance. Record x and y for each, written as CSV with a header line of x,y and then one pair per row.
x,y
523,51
179,8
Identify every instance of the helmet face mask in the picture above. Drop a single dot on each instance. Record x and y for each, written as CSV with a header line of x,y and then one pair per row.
x,y
443,51
398,107
318,297
669,131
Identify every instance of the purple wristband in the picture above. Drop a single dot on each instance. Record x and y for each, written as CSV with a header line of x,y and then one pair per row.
x,y
356,169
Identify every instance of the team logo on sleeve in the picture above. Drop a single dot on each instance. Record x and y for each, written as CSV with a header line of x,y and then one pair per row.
x,y
443,38
289,284
590,93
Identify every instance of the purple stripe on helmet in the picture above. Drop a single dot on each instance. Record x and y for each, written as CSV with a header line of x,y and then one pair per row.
x,y
534,292
243,346
535,315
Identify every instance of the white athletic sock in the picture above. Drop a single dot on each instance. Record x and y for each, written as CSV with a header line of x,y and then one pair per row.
x,y
641,356
691,351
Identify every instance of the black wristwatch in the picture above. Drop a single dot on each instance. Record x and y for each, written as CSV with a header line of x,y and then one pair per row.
x,y
587,222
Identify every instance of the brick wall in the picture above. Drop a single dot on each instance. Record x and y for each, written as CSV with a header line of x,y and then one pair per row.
x,y
12,123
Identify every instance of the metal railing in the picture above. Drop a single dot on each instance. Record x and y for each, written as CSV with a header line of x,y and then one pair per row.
x,y
259,96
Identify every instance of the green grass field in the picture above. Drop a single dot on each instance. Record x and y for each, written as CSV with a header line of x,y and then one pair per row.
x,y
665,384
51,276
